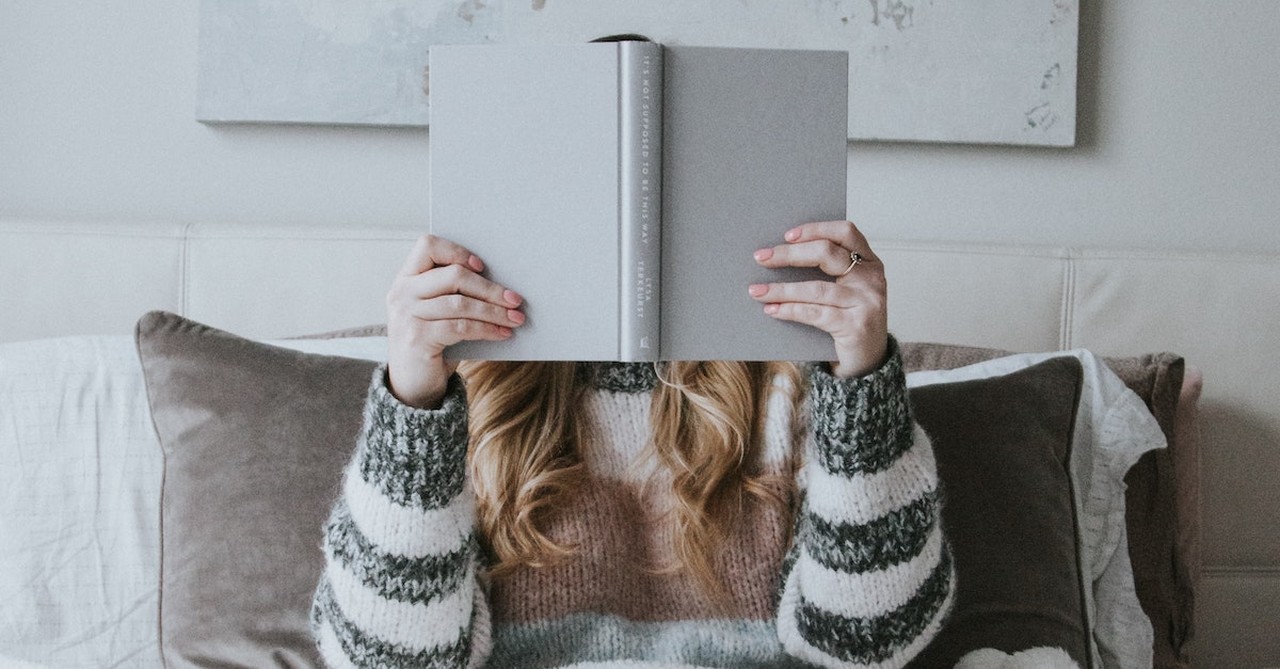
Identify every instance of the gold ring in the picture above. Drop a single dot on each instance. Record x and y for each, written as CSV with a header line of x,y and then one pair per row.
x,y
854,259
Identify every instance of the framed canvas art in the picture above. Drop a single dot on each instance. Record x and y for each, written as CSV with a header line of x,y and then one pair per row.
x,y
980,71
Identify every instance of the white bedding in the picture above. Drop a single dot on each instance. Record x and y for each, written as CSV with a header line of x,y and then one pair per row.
x,y
79,545
80,490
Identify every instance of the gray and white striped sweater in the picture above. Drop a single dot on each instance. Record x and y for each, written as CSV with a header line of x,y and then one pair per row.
x,y
867,582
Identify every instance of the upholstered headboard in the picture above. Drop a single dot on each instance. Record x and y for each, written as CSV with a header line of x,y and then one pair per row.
x,y
1219,311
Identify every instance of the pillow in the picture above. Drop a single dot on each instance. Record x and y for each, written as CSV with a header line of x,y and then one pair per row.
x,y
1127,430
1159,487
219,402
1003,448
255,437
80,490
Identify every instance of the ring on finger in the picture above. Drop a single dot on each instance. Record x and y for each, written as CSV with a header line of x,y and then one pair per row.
x,y
854,259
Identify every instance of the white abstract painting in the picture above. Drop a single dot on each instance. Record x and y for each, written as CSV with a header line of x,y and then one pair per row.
x,y
978,71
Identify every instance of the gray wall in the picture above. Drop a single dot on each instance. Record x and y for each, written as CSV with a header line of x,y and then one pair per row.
x,y
1179,146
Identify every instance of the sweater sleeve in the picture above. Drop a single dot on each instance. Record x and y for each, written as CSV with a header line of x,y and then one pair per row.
x,y
869,579
400,587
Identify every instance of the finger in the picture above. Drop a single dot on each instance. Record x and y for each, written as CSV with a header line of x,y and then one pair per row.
x,y
842,233
456,306
450,332
840,323
458,279
821,316
824,254
809,292
431,251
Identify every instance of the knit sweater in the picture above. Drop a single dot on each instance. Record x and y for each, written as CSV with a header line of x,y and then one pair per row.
x,y
866,582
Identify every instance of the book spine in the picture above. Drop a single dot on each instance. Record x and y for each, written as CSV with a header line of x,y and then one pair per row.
x,y
640,199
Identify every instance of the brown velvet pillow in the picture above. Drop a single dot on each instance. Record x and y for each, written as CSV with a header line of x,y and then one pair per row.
x,y
1003,448
1161,529
254,439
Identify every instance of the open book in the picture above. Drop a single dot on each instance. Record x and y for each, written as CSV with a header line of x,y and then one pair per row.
x,y
622,188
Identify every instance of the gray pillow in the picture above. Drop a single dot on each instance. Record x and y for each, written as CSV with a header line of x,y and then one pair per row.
x,y
1162,533
1003,446
255,438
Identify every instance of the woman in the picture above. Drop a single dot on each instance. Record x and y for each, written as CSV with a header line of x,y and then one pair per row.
x,y
687,513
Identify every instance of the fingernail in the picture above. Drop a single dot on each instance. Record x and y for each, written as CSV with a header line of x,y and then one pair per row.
x,y
515,316
505,332
757,289
763,254
792,234
475,263
512,297
771,309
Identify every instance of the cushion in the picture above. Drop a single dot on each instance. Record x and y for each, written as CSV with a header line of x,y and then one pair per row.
x,y
1160,531
1158,521
1003,447
254,437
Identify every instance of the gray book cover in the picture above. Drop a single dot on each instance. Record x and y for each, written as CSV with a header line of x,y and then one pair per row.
x,y
530,155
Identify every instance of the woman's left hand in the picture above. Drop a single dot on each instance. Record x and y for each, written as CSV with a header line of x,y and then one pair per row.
x,y
853,308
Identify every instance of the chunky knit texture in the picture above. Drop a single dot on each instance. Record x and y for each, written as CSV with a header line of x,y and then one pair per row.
x,y
866,582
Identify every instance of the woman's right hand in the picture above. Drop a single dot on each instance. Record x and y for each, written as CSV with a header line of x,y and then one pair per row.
x,y
438,299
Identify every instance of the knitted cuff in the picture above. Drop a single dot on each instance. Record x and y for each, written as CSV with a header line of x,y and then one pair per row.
x,y
416,457
862,424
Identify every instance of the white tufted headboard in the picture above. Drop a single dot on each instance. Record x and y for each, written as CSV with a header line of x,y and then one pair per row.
x,y
1222,312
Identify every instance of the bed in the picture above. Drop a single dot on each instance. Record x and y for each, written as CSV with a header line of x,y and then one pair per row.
x,y
104,528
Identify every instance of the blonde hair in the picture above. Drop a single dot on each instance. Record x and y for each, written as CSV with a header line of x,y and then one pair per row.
x,y
707,430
